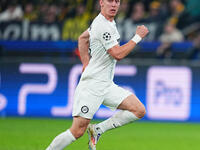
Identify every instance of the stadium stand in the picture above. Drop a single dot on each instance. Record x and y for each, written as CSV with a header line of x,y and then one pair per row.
x,y
51,27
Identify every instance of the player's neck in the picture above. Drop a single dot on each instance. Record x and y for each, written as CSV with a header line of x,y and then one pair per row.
x,y
109,18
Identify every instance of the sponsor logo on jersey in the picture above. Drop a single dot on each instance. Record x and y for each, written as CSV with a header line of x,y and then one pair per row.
x,y
84,109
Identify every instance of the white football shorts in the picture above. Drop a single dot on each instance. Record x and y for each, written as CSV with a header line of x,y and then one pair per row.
x,y
90,94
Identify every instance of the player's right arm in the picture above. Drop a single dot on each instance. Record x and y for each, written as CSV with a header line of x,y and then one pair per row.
x,y
83,46
119,52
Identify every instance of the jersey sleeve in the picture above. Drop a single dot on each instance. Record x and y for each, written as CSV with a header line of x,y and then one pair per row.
x,y
107,37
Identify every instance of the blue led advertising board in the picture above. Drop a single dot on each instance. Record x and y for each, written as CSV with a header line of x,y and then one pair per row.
x,y
47,90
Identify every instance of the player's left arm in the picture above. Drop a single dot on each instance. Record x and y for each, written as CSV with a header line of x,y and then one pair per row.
x,y
83,46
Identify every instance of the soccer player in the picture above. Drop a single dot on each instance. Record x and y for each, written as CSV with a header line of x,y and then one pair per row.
x,y
96,85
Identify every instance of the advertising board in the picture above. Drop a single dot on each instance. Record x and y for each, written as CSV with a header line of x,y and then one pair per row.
x,y
46,89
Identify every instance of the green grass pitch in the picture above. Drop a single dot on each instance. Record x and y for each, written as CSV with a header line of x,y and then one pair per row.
x,y
36,134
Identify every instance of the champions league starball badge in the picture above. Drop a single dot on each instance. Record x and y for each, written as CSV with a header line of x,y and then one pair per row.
x,y
106,36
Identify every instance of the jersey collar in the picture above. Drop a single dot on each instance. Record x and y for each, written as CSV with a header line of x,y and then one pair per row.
x,y
102,16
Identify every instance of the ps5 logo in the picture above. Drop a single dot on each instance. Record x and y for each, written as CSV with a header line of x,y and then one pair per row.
x,y
168,93
75,72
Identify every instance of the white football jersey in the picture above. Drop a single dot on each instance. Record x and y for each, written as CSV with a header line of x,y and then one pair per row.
x,y
103,36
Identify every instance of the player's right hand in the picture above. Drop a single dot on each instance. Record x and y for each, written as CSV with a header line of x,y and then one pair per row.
x,y
142,31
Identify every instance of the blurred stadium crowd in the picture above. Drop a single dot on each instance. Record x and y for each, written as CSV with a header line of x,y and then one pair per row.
x,y
169,21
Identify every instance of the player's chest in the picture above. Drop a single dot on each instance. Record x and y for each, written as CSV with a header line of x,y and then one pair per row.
x,y
116,34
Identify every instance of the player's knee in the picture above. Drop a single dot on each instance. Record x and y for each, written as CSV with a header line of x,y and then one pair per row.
x,y
141,111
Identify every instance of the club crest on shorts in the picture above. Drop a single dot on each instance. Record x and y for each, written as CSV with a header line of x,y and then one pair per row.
x,y
84,109
106,36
